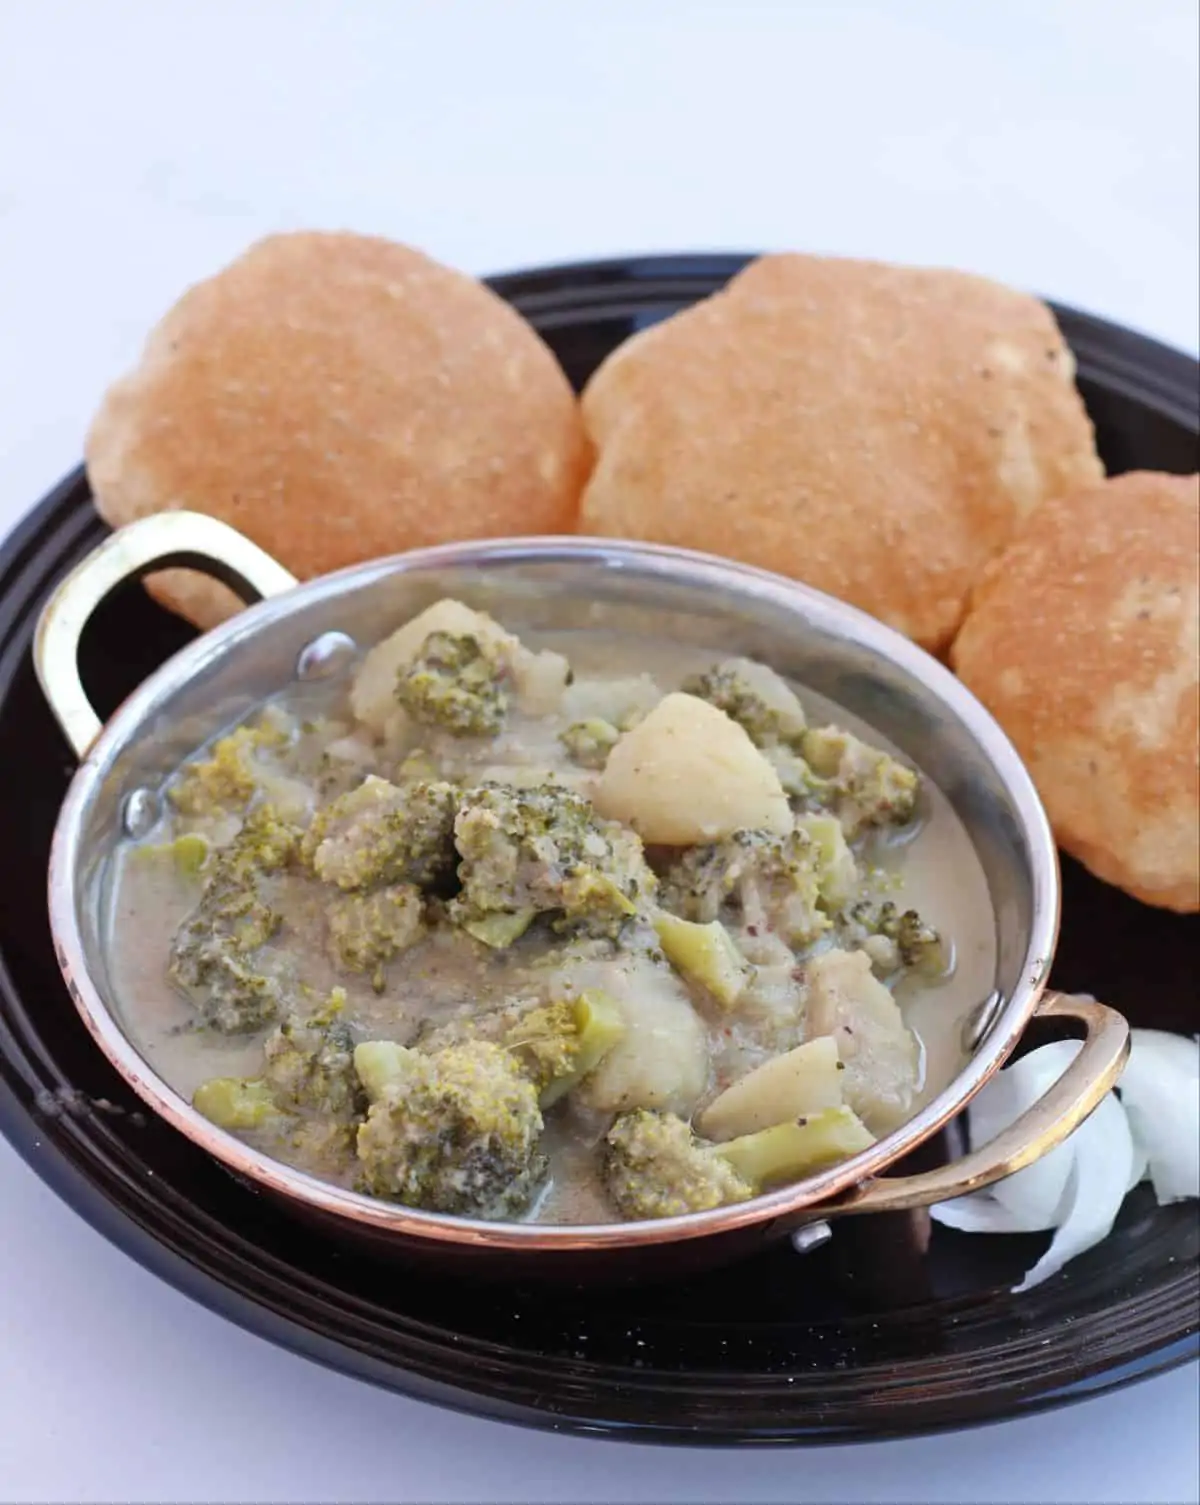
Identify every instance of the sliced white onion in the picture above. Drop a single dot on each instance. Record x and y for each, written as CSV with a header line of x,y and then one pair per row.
x,y
1077,1189
1160,1092
1096,1187
1034,1196
1141,1161
985,1211
977,1213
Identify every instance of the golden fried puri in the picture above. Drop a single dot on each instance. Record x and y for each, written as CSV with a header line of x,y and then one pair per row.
x,y
1082,640
339,397
875,431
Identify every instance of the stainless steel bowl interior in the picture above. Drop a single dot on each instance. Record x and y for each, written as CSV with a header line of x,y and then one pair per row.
x,y
556,584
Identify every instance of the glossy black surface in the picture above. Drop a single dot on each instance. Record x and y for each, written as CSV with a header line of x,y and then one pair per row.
x,y
874,1335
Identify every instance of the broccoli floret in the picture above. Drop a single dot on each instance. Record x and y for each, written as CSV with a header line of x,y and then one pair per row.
x,y
327,1142
454,1131
589,743
773,881
598,900
367,930
703,879
234,997
543,1038
264,844
555,1044
894,940
753,696
545,851
560,1043
379,833
226,780
863,785
545,1041
308,1086
472,1021
309,1064
819,767
656,1167
456,683
212,950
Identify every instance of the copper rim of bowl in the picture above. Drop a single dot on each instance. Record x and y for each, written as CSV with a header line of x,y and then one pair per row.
x,y
787,1204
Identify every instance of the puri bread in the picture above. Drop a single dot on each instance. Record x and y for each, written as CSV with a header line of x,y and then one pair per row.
x,y
339,397
875,431
1082,640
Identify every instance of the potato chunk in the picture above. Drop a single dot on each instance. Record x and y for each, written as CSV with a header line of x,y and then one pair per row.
x,y
539,678
689,774
804,1147
661,1060
846,1000
790,1086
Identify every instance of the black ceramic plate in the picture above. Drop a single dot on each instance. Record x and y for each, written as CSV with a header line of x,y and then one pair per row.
x,y
865,1338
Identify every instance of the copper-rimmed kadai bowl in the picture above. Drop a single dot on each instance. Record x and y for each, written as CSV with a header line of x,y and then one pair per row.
x,y
543,585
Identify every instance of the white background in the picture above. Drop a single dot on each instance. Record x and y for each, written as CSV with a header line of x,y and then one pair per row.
x,y
1053,144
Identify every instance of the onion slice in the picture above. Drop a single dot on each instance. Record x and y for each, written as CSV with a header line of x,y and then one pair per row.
x,y
979,1212
1096,1187
1160,1092
1078,1188
1036,1195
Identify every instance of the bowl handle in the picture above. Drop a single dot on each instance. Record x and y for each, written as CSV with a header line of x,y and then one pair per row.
x,y
165,538
1080,1089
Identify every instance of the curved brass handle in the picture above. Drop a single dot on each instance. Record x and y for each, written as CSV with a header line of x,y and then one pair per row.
x,y
166,538
1080,1089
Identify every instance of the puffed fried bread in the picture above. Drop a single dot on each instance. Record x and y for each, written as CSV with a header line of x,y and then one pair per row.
x,y
875,431
1083,640
339,397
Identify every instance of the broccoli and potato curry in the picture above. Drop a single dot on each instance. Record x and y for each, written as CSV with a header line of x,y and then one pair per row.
x,y
620,932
